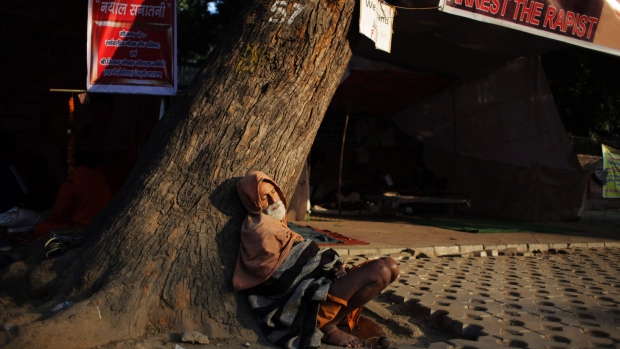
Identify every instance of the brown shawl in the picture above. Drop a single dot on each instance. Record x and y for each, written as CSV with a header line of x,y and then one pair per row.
x,y
265,241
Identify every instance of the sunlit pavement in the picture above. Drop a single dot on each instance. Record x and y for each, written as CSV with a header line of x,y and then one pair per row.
x,y
558,298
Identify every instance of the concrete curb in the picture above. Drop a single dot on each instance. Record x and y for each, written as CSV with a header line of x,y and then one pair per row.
x,y
478,250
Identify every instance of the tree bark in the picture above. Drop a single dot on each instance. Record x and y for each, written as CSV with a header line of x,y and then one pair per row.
x,y
161,255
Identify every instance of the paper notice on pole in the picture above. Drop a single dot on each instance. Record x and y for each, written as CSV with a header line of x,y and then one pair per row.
x,y
376,21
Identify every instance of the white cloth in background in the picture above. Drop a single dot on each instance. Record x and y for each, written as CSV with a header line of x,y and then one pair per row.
x,y
19,220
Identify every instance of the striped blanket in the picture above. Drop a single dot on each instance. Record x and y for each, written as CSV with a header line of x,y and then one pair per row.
x,y
287,303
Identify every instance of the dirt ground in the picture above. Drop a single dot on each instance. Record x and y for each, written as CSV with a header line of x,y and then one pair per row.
x,y
403,328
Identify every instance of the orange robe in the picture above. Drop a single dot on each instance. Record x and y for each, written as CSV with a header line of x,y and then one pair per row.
x,y
78,203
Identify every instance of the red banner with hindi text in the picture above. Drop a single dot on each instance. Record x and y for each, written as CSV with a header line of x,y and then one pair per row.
x,y
132,46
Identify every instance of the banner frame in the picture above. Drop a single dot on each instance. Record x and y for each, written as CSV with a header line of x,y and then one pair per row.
x,y
169,90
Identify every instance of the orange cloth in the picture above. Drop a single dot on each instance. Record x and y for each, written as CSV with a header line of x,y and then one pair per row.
x,y
78,203
330,307
265,241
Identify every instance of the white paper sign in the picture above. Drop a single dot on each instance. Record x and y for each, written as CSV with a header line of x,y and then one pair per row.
x,y
376,20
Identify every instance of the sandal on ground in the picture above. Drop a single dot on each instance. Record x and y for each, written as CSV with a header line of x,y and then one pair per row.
x,y
76,241
70,241
54,248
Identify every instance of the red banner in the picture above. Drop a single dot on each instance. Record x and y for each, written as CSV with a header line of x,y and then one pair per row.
x,y
590,23
132,46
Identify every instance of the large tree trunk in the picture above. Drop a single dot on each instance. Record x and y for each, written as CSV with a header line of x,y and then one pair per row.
x,y
161,255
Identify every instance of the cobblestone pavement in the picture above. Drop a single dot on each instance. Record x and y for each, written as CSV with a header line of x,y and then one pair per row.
x,y
566,298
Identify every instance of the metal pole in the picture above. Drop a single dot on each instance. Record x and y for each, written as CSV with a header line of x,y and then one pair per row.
x,y
66,90
344,136
454,140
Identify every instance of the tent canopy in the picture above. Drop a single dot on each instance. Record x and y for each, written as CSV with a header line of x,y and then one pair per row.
x,y
451,46
475,95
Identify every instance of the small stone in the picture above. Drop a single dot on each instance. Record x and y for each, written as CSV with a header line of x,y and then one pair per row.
x,y
194,337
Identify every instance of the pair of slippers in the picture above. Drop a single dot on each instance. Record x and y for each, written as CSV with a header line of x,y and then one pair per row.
x,y
58,244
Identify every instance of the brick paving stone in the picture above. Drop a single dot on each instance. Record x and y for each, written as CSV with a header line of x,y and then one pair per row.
x,y
437,277
519,292
528,305
401,296
562,304
464,284
342,252
606,300
571,336
493,326
446,250
457,311
558,246
548,300
495,247
470,248
539,247
429,286
511,306
517,247
512,324
582,302
428,251
525,339
595,314
574,291
469,327
481,343
354,260
430,309
527,321
564,318
378,310
396,251
491,308
601,333
419,272
492,252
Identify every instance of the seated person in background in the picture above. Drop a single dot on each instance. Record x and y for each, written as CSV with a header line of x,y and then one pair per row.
x,y
77,203
13,191
300,293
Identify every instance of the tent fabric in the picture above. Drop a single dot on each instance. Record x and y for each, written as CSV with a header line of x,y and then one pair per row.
x,y
370,88
507,116
513,156
534,193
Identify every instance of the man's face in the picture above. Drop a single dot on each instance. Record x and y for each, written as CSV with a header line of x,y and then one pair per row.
x,y
270,201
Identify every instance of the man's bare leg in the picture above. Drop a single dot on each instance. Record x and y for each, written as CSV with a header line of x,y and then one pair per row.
x,y
358,287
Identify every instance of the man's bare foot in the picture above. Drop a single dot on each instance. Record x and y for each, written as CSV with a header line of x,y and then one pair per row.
x,y
335,336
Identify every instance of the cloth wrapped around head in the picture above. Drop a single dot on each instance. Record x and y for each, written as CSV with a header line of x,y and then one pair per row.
x,y
265,241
